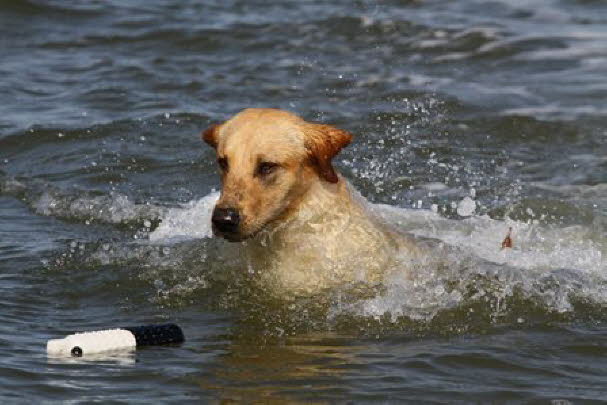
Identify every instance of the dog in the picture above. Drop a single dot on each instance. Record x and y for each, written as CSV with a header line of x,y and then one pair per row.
x,y
303,226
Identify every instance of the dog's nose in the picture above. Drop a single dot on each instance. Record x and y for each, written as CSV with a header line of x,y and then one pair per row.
x,y
226,219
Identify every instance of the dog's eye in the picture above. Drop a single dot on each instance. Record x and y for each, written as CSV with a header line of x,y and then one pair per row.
x,y
223,163
266,168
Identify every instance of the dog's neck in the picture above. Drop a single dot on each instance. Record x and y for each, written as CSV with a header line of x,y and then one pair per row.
x,y
329,206
324,242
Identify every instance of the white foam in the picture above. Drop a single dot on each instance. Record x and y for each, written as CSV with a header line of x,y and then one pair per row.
x,y
191,221
536,246
114,208
574,256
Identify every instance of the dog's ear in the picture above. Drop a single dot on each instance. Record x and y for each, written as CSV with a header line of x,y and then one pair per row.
x,y
323,143
210,134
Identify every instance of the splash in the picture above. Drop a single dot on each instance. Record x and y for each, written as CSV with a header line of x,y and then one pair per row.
x,y
554,267
553,270
191,221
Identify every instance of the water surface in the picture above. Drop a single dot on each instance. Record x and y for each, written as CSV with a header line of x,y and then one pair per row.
x,y
470,118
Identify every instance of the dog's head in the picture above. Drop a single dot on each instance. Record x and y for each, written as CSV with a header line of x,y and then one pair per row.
x,y
268,160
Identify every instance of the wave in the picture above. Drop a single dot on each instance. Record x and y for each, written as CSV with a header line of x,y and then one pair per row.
x,y
78,205
554,272
31,7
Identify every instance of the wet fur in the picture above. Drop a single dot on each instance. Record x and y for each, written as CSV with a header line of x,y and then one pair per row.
x,y
304,228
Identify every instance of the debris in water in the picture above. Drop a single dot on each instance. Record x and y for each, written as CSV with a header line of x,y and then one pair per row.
x,y
507,243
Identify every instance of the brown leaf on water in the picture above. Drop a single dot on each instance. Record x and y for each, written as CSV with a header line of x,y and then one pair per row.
x,y
507,243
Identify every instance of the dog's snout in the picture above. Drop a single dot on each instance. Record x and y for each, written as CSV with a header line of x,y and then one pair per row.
x,y
226,219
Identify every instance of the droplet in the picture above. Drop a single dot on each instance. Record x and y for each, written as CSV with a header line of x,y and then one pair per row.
x,y
466,207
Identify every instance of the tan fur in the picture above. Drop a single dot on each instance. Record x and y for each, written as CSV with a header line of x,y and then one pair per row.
x,y
304,227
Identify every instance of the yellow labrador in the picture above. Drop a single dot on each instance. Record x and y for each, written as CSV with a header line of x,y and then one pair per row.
x,y
303,226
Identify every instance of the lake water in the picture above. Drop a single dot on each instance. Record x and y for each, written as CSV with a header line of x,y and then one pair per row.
x,y
470,118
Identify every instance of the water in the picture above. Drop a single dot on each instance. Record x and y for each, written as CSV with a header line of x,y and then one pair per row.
x,y
470,118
